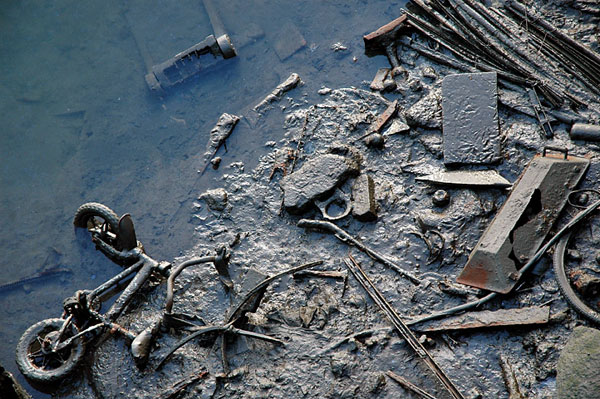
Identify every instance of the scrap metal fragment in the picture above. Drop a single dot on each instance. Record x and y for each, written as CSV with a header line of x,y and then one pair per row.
x,y
338,199
585,131
185,64
321,273
489,178
487,318
400,326
291,82
377,83
383,40
381,120
345,237
364,207
218,136
540,113
522,223
470,118
409,385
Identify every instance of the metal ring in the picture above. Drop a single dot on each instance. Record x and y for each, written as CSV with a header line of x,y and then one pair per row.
x,y
337,197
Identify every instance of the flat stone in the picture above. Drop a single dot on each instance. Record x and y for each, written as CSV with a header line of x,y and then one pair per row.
x,y
470,112
317,178
364,207
289,40
577,369
427,112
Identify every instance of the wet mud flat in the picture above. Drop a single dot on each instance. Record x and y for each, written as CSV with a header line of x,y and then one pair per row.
x,y
337,341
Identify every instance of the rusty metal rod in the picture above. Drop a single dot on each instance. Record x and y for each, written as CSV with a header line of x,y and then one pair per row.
x,y
409,385
402,329
344,236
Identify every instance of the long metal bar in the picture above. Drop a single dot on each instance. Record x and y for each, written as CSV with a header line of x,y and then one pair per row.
x,y
404,331
175,273
348,239
114,280
135,284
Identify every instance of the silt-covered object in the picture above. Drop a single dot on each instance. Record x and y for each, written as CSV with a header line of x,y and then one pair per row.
x,y
470,113
522,223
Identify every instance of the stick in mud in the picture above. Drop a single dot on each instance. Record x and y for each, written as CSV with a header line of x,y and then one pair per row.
x,y
344,236
400,326
409,385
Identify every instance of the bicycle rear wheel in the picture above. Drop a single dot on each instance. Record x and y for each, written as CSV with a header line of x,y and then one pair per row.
x,y
36,359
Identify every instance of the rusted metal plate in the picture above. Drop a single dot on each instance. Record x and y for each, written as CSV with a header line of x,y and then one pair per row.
x,y
522,223
488,318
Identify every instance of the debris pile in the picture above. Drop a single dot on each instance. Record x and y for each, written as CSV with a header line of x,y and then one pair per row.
x,y
402,184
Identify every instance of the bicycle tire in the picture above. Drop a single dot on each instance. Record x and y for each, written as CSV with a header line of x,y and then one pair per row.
x,y
54,366
564,285
91,209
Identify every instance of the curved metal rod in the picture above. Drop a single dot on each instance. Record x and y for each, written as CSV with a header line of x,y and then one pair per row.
x,y
238,310
200,331
175,272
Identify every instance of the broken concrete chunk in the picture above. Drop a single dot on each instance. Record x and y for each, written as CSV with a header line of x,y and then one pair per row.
x,y
316,178
364,207
487,318
288,41
489,178
377,83
427,112
470,111
291,82
577,369
215,199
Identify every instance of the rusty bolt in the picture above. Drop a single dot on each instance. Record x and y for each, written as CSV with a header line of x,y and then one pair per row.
x,y
441,198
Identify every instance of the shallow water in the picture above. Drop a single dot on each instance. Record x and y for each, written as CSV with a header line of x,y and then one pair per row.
x,y
79,123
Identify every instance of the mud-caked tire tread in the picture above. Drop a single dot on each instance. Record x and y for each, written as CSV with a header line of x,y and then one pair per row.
x,y
36,374
91,209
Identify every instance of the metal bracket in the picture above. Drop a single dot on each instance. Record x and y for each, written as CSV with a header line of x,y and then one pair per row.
x,y
519,228
338,197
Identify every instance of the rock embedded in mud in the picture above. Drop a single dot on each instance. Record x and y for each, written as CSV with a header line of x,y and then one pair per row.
x,y
577,369
364,207
215,199
317,178
427,112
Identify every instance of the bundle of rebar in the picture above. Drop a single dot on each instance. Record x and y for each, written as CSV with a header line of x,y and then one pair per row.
x,y
480,38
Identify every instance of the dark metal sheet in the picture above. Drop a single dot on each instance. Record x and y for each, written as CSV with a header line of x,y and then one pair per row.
x,y
522,223
470,112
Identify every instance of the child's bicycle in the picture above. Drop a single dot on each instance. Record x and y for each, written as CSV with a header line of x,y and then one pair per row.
x,y
51,349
